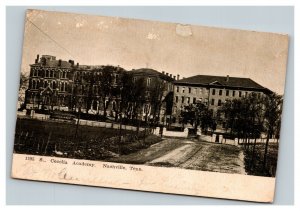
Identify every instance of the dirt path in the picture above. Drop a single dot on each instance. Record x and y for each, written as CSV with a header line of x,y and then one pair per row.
x,y
189,154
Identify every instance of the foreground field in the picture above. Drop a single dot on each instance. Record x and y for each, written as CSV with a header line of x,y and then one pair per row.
x,y
254,160
82,142
189,154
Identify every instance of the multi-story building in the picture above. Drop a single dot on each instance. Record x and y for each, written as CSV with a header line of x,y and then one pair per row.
x,y
61,85
211,90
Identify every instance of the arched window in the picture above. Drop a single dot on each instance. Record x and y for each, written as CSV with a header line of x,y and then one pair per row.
x,y
33,84
95,105
62,86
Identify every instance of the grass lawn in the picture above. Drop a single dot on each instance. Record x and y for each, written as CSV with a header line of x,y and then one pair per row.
x,y
254,162
93,143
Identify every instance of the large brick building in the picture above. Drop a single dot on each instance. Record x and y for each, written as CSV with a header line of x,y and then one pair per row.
x,y
61,85
211,90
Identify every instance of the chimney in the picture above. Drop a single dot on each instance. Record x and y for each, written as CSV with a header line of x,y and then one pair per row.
x,y
71,62
227,78
37,59
77,64
178,76
163,72
174,77
59,62
171,75
167,74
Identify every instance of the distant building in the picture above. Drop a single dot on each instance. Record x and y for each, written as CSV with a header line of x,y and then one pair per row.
x,y
159,87
212,91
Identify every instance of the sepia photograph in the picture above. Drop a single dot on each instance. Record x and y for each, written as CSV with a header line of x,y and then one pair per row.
x,y
116,94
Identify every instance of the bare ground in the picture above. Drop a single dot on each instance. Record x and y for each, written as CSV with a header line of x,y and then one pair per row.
x,y
189,154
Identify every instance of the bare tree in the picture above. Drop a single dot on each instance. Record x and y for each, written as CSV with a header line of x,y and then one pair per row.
x,y
273,109
105,86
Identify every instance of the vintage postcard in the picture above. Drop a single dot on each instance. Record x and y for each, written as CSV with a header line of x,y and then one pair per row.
x,y
151,106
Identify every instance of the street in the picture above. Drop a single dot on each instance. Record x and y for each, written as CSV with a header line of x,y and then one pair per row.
x,y
189,154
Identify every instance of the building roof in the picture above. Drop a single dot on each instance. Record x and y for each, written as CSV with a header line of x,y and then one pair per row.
x,y
226,81
151,72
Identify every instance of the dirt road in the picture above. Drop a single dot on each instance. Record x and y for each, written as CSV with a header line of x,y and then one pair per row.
x,y
189,154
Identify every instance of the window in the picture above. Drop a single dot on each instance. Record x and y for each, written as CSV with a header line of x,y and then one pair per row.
x,y
182,99
246,94
176,99
190,90
240,94
212,101
220,92
188,100
227,92
177,88
33,84
148,81
213,92
183,89
195,90
95,104
194,100
233,93
219,102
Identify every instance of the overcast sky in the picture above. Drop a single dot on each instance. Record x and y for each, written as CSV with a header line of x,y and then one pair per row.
x,y
174,48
